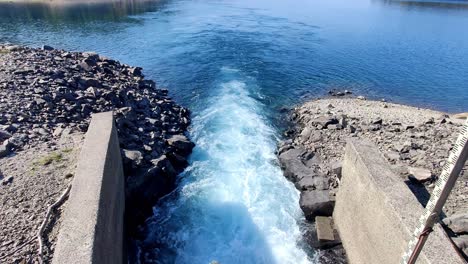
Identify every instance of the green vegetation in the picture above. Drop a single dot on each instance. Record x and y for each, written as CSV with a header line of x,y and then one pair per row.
x,y
67,150
54,156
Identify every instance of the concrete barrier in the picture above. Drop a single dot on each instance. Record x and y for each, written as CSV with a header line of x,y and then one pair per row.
x,y
376,213
92,227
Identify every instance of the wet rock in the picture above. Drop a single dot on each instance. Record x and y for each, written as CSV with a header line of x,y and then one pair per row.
x,y
181,143
316,203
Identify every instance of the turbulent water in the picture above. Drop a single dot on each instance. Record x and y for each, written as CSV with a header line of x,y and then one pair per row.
x,y
235,64
233,204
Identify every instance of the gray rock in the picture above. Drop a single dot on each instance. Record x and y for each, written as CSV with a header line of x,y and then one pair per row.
x,y
323,121
292,165
316,203
134,155
312,182
462,243
336,168
419,174
457,223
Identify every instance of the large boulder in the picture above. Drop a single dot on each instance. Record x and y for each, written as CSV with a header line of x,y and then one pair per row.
x,y
312,182
292,165
316,203
146,187
181,144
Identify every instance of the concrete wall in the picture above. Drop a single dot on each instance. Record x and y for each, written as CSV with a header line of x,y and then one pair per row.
x,y
376,213
92,227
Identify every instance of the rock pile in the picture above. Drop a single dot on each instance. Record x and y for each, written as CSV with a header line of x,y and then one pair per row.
x,y
415,141
46,93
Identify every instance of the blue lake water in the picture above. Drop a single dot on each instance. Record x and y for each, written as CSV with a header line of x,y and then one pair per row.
x,y
235,64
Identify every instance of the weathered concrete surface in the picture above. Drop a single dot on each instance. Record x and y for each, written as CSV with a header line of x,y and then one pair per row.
x,y
92,229
376,213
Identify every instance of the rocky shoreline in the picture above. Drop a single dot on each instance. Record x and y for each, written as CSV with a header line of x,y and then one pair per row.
x,y
48,95
415,141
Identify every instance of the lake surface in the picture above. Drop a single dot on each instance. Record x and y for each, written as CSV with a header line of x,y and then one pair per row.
x,y
235,64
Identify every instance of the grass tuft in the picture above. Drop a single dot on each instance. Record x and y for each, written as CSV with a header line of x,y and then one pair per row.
x,y
49,159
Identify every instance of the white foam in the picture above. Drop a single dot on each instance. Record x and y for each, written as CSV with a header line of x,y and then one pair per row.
x,y
234,205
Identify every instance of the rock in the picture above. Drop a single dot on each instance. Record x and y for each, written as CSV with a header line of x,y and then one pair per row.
x,y
460,116
316,203
361,97
57,132
7,180
419,174
46,47
457,223
181,143
134,156
393,155
336,168
462,243
312,182
324,229
377,121
293,167
323,121
4,135
4,151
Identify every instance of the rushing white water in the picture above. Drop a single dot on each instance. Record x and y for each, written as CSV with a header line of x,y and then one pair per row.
x,y
233,204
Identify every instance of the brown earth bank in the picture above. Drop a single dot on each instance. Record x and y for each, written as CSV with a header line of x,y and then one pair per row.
x,y
47,97
415,141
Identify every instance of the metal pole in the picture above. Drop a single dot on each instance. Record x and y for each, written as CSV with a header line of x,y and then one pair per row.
x,y
444,186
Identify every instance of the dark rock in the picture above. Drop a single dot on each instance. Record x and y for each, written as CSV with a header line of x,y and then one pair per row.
x,y
133,156
181,143
316,203
4,135
4,151
46,47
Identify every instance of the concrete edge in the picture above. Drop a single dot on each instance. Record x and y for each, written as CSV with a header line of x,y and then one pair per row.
x,y
93,223
367,177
